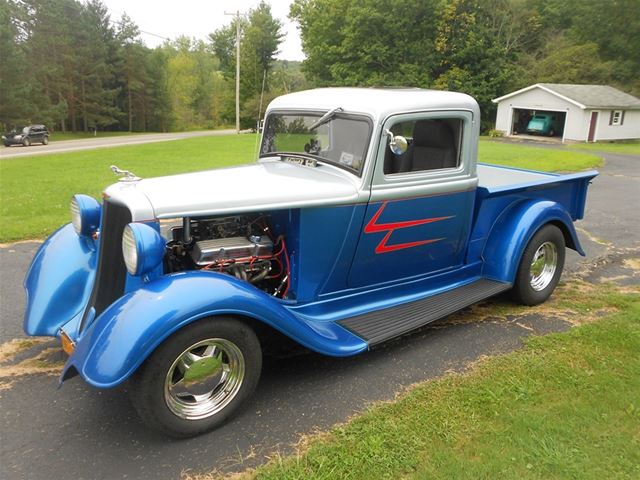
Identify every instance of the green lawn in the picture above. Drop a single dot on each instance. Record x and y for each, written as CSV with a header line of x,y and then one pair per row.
x,y
60,136
628,148
534,158
565,406
35,191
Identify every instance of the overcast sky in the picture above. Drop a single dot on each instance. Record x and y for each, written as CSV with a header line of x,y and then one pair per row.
x,y
198,18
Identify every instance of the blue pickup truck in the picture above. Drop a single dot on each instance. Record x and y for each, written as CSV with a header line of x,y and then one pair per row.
x,y
365,216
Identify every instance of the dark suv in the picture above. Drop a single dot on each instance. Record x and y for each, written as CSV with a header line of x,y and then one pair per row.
x,y
26,136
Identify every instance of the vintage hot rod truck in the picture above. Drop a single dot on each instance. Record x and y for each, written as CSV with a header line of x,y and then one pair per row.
x,y
365,217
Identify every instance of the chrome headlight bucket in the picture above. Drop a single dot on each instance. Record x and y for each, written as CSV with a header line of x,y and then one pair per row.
x,y
85,214
142,248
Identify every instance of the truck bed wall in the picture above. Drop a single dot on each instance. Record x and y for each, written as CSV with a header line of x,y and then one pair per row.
x,y
569,191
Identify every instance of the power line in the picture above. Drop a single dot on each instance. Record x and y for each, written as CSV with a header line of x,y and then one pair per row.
x,y
119,22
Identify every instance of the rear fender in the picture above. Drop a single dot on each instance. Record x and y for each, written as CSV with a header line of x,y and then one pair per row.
x,y
513,230
127,332
59,281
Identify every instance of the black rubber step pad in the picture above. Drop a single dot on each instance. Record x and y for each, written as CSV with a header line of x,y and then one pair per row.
x,y
381,325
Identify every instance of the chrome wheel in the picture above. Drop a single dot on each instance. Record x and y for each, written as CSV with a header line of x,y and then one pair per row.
x,y
204,379
543,266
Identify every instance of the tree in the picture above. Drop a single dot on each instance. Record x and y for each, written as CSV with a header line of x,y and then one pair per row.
x,y
14,83
260,38
96,45
368,42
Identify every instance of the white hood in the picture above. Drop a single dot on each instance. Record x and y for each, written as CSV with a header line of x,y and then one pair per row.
x,y
267,185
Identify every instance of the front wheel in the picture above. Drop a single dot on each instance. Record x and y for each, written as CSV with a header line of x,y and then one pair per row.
x,y
198,378
540,267
26,142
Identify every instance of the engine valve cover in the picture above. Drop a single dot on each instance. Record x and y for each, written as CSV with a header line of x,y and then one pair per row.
x,y
217,249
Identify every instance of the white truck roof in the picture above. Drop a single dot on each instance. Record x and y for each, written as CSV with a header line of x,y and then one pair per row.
x,y
378,103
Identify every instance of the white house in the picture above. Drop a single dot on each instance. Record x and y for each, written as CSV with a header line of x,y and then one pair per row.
x,y
584,113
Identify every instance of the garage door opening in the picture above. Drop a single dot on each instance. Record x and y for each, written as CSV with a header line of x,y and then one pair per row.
x,y
545,123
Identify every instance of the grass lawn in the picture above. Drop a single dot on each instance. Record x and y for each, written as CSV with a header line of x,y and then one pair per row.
x,y
35,191
630,148
565,406
534,158
60,136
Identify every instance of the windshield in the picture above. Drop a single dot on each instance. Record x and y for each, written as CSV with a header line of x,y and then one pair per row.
x,y
342,140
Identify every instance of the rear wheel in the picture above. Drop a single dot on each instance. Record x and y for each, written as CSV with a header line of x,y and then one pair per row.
x,y
540,266
45,140
198,378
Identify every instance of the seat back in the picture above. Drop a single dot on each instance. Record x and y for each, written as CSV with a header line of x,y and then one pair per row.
x,y
434,146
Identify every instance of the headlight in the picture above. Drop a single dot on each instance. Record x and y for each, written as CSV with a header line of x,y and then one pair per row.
x,y
142,248
85,214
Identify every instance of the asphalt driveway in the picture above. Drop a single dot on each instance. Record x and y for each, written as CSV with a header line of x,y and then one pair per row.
x,y
79,432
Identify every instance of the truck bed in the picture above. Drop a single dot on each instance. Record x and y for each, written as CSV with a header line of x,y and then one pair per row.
x,y
492,176
501,188
568,189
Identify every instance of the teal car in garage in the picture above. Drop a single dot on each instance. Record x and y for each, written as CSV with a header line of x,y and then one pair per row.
x,y
544,124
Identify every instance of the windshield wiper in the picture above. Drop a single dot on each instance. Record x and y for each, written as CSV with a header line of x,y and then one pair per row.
x,y
325,118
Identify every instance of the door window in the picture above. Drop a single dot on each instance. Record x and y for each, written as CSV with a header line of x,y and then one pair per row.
x,y
433,144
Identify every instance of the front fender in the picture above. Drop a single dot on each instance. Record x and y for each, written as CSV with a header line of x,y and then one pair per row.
x,y
59,281
513,230
127,332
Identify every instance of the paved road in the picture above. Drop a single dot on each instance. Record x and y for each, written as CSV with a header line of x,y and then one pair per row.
x,y
79,432
91,143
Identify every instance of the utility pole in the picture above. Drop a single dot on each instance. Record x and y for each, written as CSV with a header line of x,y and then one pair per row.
x,y
237,15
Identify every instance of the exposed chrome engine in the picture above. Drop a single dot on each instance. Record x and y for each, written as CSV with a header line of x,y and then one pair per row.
x,y
240,245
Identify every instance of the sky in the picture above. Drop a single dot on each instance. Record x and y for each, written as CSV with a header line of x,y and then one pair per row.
x,y
198,18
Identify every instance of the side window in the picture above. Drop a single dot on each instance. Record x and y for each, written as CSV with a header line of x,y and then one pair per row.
x,y
433,144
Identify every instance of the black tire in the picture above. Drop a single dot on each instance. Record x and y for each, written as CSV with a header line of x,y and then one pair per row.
x,y
26,142
152,395
7,144
531,288
552,133
45,140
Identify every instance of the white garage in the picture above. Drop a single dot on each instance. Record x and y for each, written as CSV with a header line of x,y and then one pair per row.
x,y
582,113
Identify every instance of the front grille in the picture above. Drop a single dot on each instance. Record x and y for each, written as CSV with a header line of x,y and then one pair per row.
x,y
111,273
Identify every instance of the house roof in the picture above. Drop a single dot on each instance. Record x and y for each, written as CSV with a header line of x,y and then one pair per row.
x,y
584,96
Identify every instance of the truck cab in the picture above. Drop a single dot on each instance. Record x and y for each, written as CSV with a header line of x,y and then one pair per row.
x,y
364,217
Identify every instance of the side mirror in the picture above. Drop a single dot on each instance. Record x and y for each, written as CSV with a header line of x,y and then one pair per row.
x,y
397,144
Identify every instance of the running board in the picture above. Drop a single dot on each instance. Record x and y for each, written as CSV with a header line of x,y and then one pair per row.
x,y
381,325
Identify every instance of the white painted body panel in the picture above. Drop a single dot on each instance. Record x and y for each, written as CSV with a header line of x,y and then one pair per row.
x,y
270,184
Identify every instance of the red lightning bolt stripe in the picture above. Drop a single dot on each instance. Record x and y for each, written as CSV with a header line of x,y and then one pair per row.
x,y
373,227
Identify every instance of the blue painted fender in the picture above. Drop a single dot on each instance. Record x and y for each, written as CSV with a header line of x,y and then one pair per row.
x,y
127,332
59,281
513,230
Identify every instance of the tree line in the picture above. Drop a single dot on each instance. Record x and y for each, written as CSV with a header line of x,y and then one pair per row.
x,y
486,48
68,64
